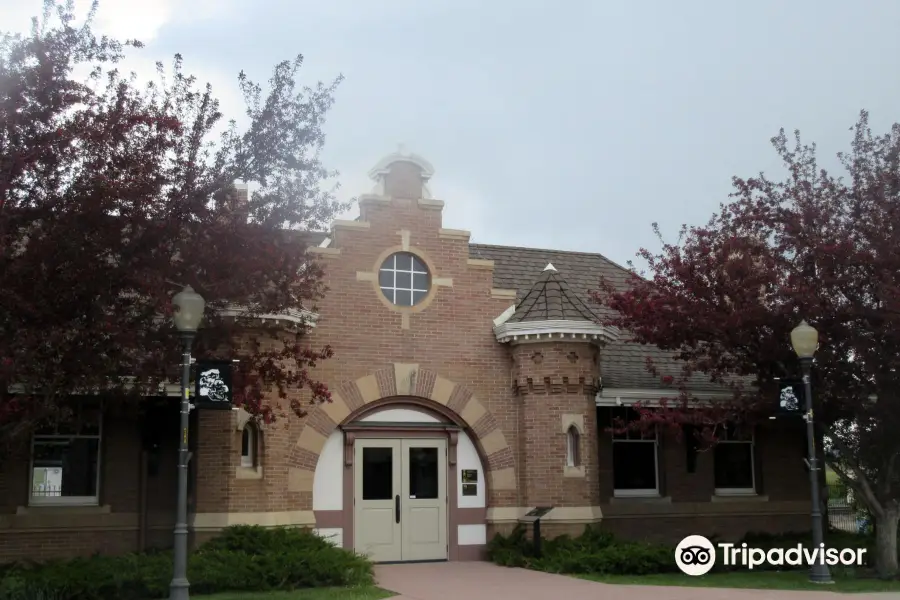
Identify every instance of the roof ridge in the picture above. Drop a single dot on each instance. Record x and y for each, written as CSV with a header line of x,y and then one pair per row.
x,y
570,252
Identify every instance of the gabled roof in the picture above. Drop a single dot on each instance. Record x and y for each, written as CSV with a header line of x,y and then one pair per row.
x,y
551,299
623,363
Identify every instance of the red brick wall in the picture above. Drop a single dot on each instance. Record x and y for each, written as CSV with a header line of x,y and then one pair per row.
x,y
97,531
780,469
452,337
727,527
555,379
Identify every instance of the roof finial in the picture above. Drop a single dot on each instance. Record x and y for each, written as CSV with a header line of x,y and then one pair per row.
x,y
549,267
401,149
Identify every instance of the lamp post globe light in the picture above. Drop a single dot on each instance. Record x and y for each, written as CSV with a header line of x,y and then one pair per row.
x,y
189,306
189,313
805,340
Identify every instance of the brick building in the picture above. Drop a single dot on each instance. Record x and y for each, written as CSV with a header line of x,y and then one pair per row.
x,y
470,384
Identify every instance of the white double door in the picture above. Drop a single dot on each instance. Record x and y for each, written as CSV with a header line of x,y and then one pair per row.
x,y
400,499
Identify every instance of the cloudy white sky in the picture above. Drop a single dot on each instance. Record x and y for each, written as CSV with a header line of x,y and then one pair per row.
x,y
570,125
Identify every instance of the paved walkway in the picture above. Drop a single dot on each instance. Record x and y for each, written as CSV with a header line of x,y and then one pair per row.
x,y
484,581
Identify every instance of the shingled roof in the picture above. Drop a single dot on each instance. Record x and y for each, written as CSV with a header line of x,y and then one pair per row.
x,y
550,299
623,362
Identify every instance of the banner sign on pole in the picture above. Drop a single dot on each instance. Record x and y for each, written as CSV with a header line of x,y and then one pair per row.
x,y
790,397
213,388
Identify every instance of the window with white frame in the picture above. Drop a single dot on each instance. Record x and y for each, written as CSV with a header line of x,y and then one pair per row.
x,y
249,440
635,458
65,461
573,447
404,279
734,461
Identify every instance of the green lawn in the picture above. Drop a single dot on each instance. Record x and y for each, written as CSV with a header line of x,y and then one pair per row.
x,y
789,580
361,593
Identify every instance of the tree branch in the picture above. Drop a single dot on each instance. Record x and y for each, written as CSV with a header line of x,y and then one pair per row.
x,y
860,480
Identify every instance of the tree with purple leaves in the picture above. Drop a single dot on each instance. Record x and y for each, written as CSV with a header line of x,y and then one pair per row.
x,y
812,247
115,194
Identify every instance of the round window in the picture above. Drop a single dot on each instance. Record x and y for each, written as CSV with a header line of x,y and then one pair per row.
x,y
404,279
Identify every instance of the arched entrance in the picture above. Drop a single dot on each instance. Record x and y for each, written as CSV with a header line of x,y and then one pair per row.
x,y
411,478
401,407
400,476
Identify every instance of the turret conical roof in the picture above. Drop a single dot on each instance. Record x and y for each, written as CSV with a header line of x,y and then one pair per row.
x,y
551,299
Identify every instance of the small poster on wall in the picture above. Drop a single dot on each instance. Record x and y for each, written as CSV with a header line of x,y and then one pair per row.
x,y
470,482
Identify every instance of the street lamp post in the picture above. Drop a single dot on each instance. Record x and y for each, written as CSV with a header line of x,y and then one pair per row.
x,y
189,311
805,340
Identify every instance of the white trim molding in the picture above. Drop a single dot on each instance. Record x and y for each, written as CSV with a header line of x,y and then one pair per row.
x,y
291,315
504,316
542,331
217,521
652,397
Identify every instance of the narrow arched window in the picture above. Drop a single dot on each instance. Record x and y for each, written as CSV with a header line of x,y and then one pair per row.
x,y
249,441
573,447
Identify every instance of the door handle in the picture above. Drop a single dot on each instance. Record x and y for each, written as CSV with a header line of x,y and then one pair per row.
x,y
397,509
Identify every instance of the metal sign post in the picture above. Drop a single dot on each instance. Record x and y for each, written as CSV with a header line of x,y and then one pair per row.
x,y
534,516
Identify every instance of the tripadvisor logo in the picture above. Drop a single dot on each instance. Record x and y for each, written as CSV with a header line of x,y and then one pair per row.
x,y
695,555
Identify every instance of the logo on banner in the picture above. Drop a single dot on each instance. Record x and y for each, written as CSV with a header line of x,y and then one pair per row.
x,y
790,397
214,388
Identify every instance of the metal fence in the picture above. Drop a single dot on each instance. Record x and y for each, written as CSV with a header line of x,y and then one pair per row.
x,y
844,513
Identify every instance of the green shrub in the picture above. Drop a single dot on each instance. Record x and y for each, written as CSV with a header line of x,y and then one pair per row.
x,y
15,588
240,559
128,577
511,550
594,551
253,539
622,558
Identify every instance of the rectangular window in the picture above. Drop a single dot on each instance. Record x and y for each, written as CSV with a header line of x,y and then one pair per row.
x,y
377,473
734,462
573,449
635,464
248,446
423,473
65,461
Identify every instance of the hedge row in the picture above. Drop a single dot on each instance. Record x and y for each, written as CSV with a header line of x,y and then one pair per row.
x,y
243,558
594,551
598,552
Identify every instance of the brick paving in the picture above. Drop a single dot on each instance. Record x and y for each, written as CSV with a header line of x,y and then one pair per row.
x,y
484,581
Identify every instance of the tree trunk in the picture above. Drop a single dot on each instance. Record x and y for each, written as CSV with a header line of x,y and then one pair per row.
x,y
886,543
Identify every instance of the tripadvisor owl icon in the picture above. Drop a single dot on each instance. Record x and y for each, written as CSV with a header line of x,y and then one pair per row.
x,y
695,555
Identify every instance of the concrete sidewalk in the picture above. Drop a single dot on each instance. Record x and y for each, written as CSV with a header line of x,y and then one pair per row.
x,y
485,581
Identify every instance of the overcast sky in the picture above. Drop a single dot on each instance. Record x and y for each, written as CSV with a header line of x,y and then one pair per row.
x,y
571,124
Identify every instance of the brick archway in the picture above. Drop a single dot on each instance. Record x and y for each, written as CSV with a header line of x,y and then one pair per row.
x,y
403,380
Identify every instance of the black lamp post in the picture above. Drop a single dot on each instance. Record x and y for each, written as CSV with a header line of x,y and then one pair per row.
x,y
805,340
189,307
